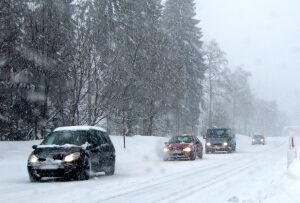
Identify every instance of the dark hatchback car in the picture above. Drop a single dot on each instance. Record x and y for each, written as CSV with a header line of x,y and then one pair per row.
x,y
258,139
220,140
183,147
72,153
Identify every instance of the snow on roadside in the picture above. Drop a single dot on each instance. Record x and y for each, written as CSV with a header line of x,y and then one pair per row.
x,y
287,190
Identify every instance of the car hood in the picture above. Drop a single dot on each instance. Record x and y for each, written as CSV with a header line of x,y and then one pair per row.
x,y
178,146
217,140
55,152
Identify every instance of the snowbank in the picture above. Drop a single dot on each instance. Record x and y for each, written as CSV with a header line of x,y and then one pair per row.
x,y
287,189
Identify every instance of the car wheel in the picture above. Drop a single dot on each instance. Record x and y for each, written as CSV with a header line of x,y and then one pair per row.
x,y
200,155
193,156
111,169
34,178
85,172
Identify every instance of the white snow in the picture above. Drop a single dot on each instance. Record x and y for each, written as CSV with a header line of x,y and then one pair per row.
x,y
287,189
60,146
255,174
75,128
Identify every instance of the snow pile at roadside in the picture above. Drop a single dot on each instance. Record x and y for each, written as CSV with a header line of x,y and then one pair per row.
x,y
287,190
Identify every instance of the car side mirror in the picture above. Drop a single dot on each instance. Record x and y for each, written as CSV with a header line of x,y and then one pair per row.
x,y
34,146
93,148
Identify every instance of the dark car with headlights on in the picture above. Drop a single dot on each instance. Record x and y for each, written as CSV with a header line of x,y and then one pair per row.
x,y
220,140
258,139
72,153
183,147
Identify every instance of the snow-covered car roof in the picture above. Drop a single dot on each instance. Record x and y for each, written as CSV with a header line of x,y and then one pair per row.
x,y
79,127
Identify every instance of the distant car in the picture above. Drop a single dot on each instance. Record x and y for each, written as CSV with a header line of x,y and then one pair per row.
x,y
72,153
258,139
220,140
183,147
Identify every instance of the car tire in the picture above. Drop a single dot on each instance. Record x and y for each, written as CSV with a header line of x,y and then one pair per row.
x,y
193,156
111,169
200,155
34,178
85,172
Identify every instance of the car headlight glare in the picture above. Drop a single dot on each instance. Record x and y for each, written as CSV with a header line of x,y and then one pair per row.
x,y
253,140
187,149
208,144
225,144
33,158
166,149
262,140
72,157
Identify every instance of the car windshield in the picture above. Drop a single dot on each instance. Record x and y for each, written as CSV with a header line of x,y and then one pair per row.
x,y
258,136
66,137
217,133
181,139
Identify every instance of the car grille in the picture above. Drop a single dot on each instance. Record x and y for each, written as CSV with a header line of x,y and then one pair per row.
x,y
217,144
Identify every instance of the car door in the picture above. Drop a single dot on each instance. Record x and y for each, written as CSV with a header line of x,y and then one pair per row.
x,y
106,150
96,156
233,140
198,145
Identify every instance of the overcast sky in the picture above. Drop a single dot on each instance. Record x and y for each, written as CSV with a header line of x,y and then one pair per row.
x,y
264,37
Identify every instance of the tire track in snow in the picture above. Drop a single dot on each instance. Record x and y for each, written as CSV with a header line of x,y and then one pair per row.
x,y
165,184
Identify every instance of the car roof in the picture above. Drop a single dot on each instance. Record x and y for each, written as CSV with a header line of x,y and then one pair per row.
x,y
79,128
184,135
219,129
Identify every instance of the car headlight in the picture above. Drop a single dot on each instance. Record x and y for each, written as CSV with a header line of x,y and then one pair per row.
x,y
33,158
253,140
225,144
262,140
166,149
208,144
187,149
72,157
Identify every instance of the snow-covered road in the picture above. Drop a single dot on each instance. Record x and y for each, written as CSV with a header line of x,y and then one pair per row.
x,y
247,176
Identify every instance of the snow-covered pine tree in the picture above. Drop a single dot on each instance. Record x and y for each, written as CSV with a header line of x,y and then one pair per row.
x,y
186,53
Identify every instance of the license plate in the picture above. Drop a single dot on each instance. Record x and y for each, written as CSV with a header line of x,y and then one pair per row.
x,y
49,166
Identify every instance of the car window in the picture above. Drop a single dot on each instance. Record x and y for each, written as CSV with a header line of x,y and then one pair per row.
x,y
181,139
94,138
105,137
66,137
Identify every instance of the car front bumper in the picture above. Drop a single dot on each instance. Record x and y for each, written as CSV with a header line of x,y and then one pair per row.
x,y
217,148
62,170
178,155
258,142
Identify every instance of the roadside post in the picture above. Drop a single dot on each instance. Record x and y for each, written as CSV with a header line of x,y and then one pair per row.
x,y
292,151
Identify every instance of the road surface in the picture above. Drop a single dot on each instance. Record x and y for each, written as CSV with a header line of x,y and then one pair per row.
x,y
247,176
